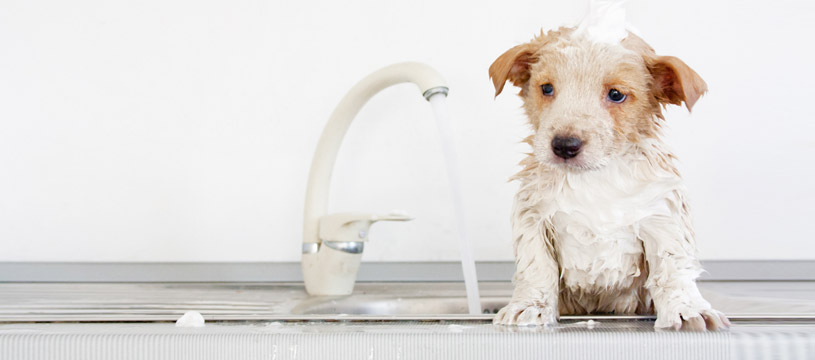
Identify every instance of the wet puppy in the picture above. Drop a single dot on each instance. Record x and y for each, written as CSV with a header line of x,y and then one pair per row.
x,y
600,222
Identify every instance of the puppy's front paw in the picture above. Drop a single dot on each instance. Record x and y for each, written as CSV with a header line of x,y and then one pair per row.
x,y
699,319
526,313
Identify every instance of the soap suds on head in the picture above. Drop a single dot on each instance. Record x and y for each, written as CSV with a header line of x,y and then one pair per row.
x,y
604,23
190,319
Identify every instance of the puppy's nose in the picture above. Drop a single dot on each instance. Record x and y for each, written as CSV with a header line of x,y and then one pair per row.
x,y
566,147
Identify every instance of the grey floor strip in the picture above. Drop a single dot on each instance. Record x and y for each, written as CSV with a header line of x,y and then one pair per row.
x,y
375,271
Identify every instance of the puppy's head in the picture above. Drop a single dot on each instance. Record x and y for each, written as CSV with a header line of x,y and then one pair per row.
x,y
588,101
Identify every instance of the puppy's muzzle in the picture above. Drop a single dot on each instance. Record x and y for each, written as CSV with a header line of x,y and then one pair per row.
x,y
566,147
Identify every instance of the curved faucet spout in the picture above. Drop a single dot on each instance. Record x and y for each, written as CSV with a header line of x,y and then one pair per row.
x,y
429,82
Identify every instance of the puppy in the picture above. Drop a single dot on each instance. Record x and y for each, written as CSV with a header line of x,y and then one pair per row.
x,y
601,223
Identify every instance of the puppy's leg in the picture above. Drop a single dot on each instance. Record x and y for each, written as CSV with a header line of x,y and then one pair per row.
x,y
534,300
670,252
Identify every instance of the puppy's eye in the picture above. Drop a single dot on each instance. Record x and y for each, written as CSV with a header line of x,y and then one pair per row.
x,y
616,96
548,89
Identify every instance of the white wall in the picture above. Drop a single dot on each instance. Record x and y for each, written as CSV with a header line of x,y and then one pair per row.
x,y
183,130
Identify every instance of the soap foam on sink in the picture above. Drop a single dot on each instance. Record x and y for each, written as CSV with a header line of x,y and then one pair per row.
x,y
456,328
588,324
190,319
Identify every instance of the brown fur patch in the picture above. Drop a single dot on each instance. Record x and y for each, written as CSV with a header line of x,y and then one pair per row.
x,y
582,74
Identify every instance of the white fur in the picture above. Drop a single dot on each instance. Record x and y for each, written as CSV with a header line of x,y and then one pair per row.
x,y
588,233
606,229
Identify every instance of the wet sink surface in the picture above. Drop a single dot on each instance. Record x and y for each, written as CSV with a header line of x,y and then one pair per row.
x,y
30,302
379,321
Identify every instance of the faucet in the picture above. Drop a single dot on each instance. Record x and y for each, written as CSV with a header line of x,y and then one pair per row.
x,y
333,243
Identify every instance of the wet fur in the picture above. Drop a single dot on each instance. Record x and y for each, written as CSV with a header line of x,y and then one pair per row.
x,y
608,231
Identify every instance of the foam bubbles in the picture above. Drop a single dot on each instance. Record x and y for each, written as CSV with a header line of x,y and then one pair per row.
x,y
190,319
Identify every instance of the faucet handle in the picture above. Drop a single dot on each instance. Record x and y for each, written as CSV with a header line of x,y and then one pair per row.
x,y
354,226
330,265
394,215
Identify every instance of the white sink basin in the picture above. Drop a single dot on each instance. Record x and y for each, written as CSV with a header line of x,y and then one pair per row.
x,y
88,302
379,321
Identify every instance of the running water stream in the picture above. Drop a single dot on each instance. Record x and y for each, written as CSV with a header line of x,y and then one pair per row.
x,y
439,104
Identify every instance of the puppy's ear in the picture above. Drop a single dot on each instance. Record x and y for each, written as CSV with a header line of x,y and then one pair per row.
x,y
675,82
513,65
